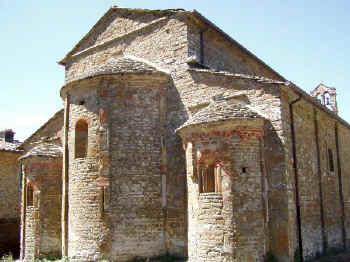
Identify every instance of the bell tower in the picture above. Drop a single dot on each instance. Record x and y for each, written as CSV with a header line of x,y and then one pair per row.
x,y
327,96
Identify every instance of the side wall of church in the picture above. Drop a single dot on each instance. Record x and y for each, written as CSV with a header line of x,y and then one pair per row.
x,y
344,161
320,199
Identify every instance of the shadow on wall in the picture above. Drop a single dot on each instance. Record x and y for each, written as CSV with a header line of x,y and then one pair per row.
x,y
9,237
176,203
258,96
277,193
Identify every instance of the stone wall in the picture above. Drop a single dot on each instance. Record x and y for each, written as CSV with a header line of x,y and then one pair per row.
x,y
320,198
9,236
171,51
220,54
138,184
10,181
86,221
265,99
230,225
32,235
116,23
309,180
167,40
125,168
42,200
344,168
9,202
332,206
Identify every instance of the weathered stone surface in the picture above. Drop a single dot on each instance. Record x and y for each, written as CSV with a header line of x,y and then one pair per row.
x,y
42,191
226,190
9,198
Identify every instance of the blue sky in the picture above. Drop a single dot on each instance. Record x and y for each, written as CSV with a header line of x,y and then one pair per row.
x,y
305,41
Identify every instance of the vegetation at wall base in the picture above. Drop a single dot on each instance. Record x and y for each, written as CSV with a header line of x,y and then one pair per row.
x,y
270,257
163,258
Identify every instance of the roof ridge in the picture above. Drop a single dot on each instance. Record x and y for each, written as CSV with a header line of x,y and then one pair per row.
x,y
61,111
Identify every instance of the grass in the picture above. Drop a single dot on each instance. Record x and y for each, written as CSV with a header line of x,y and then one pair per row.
x,y
164,258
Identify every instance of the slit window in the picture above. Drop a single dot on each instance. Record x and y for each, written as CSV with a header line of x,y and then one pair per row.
x,y
331,160
30,195
104,199
210,179
81,139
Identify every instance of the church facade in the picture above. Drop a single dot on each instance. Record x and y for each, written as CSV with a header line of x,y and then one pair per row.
x,y
175,139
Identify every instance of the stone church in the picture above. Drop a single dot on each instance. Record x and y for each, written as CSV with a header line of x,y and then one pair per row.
x,y
175,139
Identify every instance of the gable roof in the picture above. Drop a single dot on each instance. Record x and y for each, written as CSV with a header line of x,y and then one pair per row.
x,y
118,65
165,12
59,114
105,17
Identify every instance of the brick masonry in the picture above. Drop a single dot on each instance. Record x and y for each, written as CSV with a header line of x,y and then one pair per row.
x,y
136,78
41,189
230,225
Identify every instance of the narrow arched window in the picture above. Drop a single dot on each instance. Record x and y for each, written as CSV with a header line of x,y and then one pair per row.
x,y
210,179
30,195
81,139
327,98
331,160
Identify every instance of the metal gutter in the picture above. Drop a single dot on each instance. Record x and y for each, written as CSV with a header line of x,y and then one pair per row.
x,y
296,177
340,184
319,173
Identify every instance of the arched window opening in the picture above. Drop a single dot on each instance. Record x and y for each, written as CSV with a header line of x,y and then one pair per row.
x,y
327,98
331,160
210,179
320,98
81,139
30,195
